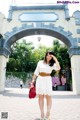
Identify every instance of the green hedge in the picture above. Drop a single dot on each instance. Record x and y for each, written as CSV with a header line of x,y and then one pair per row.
x,y
21,75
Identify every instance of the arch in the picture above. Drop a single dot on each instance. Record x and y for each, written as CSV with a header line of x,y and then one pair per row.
x,y
1,41
1,36
35,29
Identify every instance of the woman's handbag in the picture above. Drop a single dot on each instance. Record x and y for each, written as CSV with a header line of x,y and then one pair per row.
x,y
32,92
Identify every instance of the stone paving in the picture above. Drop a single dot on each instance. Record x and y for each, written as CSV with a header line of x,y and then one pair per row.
x,y
15,101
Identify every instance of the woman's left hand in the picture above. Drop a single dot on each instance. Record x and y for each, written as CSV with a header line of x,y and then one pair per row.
x,y
55,59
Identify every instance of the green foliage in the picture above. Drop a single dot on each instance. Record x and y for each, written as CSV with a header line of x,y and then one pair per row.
x,y
20,58
61,54
39,53
54,73
24,57
20,75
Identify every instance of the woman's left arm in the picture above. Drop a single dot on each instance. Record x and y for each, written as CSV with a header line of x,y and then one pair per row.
x,y
56,61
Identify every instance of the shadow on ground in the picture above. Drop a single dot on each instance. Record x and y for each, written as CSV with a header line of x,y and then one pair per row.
x,y
12,93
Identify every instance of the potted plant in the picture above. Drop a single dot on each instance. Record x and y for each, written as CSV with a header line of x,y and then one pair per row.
x,y
62,86
55,80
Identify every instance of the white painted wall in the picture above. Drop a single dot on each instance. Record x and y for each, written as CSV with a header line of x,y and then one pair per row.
x,y
3,61
68,25
75,67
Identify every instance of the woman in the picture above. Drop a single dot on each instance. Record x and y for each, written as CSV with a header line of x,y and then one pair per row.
x,y
44,81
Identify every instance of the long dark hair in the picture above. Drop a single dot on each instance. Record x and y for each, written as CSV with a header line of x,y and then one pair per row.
x,y
51,63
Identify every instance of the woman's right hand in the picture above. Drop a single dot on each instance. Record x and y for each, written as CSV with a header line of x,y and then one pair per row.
x,y
31,84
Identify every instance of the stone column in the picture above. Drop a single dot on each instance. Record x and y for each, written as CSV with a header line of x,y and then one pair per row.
x,y
3,61
75,67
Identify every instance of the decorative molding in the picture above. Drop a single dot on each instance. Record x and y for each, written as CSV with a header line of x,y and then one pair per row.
x,y
42,29
77,22
38,28
5,52
78,31
1,42
74,51
10,14
78,40
76,14
35,17
41,7
67,17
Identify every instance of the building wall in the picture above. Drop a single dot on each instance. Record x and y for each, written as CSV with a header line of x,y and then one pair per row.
x,y
6,26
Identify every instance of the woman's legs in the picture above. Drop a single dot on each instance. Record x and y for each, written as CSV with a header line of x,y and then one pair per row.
x,y
49,105
41,105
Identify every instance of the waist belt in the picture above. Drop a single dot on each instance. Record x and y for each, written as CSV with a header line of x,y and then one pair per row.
x,y
44,74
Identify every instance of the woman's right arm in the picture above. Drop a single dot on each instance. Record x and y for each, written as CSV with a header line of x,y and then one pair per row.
x,y
34,78
36,72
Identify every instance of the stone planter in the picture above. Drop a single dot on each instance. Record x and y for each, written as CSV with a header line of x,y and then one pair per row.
x,y
54,88
61,88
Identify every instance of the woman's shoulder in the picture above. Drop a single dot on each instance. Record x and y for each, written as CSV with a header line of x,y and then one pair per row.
x,y
40,61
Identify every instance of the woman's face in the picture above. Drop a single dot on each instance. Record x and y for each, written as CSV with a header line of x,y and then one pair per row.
x,y
48,57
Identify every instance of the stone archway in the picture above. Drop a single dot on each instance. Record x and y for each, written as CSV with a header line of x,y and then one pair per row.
x,y
40,29
59,25
51,30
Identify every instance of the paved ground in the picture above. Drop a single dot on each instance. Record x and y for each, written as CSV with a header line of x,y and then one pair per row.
x,y
66,105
